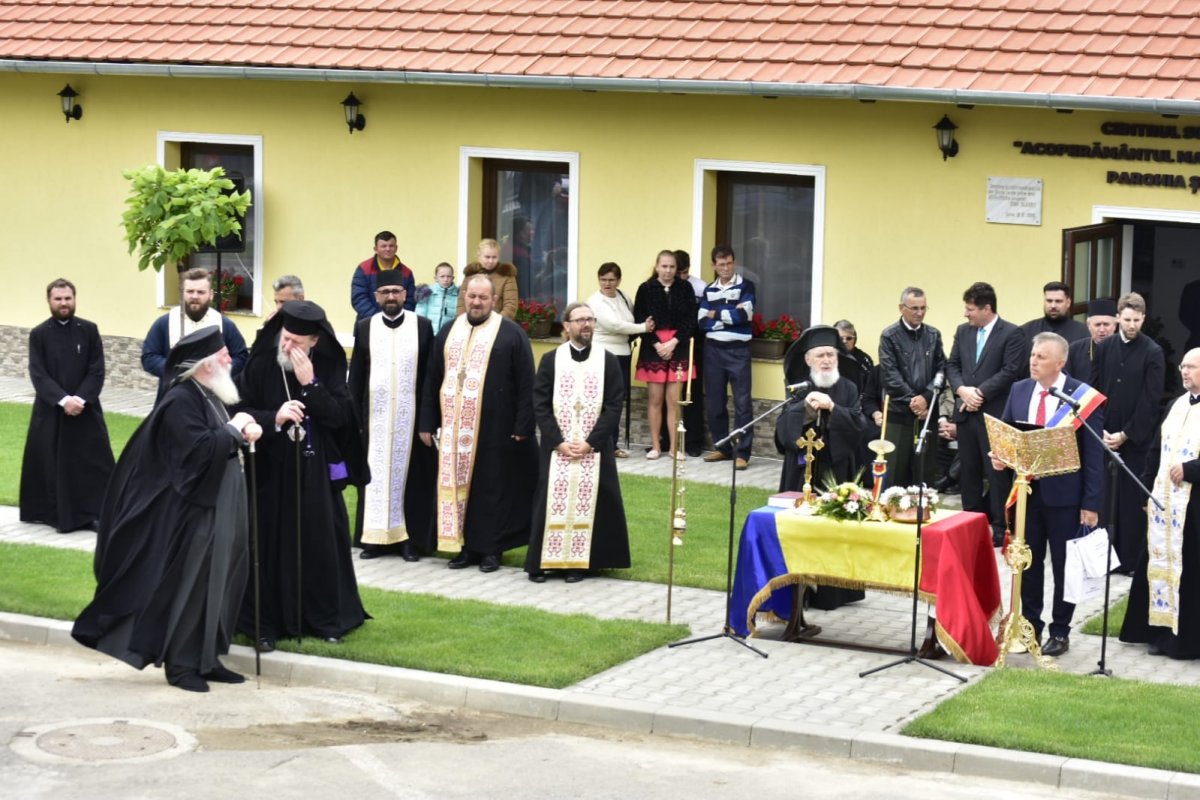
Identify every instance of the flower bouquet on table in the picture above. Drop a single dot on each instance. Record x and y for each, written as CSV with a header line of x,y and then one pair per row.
x,y
783,328
844,501
900,503
535,316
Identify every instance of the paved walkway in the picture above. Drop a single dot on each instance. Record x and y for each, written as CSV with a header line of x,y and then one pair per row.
x,y
718,686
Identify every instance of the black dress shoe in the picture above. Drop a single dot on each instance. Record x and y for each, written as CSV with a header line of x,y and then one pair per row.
x,y
694,452
490,563
537,577
266,645
1056,646
460,561
1154,650
222,674
369,551
188,680
574,575
408,552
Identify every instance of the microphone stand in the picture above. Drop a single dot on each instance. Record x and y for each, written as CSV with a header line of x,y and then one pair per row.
x,y
912,657
733,439
1114,461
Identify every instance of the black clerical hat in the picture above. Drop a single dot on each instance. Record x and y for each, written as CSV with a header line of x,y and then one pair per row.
x,y
303,318
193,348
1102,307
389,277
795,368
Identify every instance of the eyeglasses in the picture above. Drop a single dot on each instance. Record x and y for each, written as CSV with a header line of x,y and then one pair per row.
x,y
917,309
583,321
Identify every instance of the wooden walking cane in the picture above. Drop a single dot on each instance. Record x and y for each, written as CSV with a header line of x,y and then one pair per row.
x,y
299,543
257,570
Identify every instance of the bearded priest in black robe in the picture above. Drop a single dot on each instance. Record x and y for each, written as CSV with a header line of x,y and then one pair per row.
x,y
578,516
829,407
68,458
387,375
294,385
172,557
479,393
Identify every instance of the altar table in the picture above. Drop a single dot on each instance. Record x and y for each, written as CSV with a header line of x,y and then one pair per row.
x,y
780,549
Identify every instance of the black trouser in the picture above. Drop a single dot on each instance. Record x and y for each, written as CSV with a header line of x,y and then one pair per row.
x,y
974,467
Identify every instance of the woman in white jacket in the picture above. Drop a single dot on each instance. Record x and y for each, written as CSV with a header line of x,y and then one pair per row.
x,y
615,326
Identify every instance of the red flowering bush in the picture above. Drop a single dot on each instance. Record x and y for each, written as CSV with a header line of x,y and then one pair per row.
x,y
531,311
231,285
783,327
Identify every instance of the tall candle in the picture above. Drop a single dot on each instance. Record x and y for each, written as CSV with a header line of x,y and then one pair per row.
x,y
687,392
883,426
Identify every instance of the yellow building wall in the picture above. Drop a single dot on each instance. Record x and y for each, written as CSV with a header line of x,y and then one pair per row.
x,y
895,212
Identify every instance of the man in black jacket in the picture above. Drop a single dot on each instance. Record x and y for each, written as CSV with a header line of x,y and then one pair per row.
x,y
910,357
986,358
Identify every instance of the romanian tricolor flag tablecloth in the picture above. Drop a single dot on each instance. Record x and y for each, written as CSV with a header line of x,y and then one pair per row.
x,y
958,570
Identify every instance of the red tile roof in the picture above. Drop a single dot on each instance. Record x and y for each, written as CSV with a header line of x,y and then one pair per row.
x,y
1084,48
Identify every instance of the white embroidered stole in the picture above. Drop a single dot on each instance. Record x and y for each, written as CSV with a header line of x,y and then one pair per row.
x,y
1164,534
467,351
571,492
392,411
179,324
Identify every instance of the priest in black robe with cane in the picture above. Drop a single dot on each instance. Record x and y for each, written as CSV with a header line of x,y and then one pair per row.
x,y
578,516
294,385
172,557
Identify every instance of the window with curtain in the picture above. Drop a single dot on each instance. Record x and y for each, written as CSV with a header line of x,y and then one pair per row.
x,y
525,205
768,221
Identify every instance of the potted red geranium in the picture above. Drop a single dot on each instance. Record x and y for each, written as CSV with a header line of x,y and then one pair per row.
x,y
771,338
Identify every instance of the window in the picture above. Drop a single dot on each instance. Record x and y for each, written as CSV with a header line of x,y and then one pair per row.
x,y
768,220
527,201
240,259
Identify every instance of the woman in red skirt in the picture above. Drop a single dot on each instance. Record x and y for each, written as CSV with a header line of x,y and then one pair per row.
x,y
663,356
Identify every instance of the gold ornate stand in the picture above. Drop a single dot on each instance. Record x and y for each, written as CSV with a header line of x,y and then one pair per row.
x,y
1015,628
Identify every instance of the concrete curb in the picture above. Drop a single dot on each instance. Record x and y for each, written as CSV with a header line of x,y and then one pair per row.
x,y
580,707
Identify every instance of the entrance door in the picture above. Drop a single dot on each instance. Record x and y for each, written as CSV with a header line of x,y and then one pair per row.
x,y
1091,263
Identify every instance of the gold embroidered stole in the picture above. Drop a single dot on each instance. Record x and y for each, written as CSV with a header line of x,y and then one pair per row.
x,y
391,419
1164,534
467,351
571,491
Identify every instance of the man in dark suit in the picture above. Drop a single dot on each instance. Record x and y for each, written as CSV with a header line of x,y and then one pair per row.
x,y
1059,504
987,356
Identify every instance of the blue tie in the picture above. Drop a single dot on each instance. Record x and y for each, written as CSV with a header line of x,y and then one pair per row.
x,y
979,340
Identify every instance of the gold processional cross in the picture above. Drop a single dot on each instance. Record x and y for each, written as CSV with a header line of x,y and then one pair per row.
x,y
809,443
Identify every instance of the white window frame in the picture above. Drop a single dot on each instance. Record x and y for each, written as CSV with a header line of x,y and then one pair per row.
x,y
817,173
571,159
256,208
1103,214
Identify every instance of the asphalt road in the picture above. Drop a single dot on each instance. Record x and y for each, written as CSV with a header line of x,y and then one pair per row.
x,y
75,724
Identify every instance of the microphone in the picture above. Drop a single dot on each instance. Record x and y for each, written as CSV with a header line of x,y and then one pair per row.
x,y
1064,398
796,387
939,381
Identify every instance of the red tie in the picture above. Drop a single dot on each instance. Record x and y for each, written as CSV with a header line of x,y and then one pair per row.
x,y
1040,419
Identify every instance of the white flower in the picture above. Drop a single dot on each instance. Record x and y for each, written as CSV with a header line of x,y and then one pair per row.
x,y
852,506
905,502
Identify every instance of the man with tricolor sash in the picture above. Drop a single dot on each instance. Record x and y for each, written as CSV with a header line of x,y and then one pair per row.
x,y
1060,506
1164,600
478,401
391,352
578,517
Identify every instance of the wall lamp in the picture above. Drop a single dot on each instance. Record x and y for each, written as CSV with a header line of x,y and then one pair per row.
x,y
354,120
71,110
945,137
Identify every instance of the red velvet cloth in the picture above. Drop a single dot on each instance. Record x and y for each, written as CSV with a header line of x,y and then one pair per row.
x,y
958,567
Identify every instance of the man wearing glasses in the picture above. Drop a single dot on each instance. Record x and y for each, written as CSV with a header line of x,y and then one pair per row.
x,y
910,356
578,516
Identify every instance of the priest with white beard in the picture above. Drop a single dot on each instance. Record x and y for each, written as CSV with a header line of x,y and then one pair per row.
x,y
396,509
829,406
172,557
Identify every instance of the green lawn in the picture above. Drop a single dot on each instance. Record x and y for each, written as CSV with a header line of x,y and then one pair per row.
x,y
1081,716
426,632
700,562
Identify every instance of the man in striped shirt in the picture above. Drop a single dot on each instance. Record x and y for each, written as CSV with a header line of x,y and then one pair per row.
x,y
726,308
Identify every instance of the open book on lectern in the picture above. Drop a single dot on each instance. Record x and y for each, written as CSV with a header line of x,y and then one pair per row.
x,y
1030,450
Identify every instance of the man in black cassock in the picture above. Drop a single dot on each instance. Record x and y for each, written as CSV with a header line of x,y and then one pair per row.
x,y
479,393
387,374
172,557
1056,317
1168,621
1129,370
1101,323
831,408
68,458
294,385
578,516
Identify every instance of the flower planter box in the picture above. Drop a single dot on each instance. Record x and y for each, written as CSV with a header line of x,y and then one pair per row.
x,y
540,329
768,348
